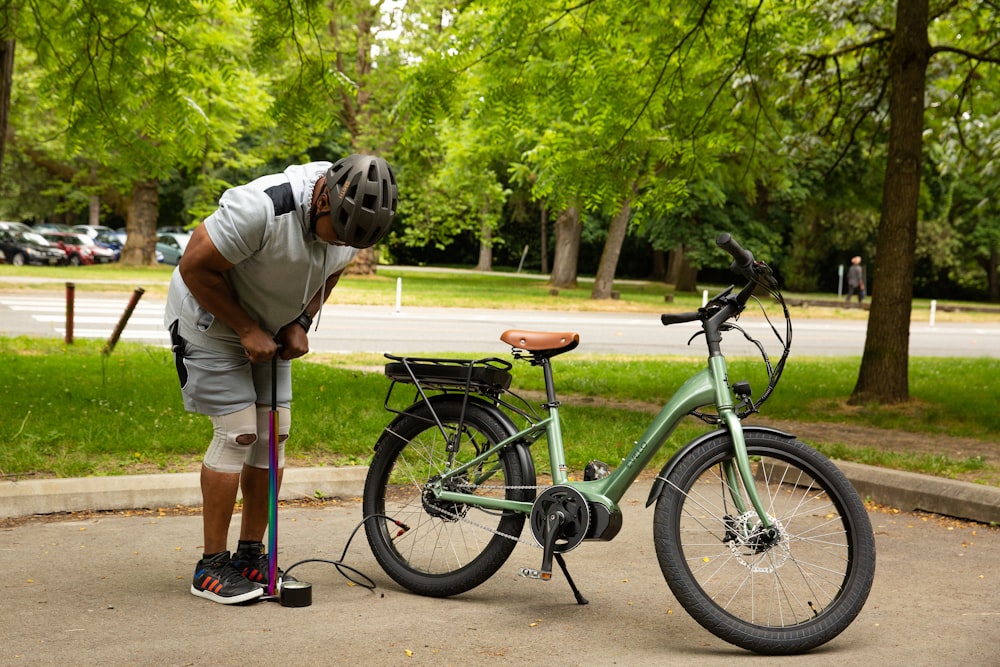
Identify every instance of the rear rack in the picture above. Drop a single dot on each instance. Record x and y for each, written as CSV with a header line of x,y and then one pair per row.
x,y
489,376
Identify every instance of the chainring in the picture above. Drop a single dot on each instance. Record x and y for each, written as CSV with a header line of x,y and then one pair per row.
x,y
574,506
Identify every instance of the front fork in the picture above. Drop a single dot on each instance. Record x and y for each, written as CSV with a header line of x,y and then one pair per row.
x,y
740,472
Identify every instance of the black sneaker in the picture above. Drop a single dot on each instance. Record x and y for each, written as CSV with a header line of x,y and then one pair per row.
x,y
217,580
252,563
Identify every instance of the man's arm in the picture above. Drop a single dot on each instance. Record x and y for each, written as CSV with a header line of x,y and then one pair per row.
x,y
202,266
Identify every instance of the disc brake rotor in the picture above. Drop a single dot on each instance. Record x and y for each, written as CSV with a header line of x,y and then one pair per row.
x,y
759,550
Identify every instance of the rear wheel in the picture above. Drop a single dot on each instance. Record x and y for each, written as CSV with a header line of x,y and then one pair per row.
x,y
782,591
445,548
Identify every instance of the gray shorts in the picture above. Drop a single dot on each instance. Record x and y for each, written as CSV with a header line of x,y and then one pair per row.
x,y
217,383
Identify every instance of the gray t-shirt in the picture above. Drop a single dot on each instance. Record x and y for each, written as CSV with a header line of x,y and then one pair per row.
x,y
279,264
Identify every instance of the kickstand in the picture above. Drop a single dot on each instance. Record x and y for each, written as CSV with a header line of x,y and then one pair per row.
x,y
576,591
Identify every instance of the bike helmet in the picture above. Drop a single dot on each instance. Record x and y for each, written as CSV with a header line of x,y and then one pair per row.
x,y
363,198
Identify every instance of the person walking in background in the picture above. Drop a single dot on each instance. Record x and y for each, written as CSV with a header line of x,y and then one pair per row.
x,y
253,278
856,280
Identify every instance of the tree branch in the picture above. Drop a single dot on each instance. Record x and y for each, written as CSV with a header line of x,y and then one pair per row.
x,y
982,56
663,70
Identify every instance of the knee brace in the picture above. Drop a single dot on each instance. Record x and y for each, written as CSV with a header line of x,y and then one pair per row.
x,y
233,438
259,456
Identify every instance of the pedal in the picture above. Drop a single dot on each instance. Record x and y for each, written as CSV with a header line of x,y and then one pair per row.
x,y
531,573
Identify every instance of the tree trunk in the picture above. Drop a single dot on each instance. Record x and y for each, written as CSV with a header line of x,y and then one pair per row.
x,y
993,280
564,265
94,211
884,374
365,263
674,259
6,81
140,224
605,278
545,239
680,272
485,262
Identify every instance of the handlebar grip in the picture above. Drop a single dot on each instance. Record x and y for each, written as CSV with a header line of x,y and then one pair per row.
x,y
679,318
742,257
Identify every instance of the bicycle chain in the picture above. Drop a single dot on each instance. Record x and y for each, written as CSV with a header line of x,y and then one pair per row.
x,y
499,533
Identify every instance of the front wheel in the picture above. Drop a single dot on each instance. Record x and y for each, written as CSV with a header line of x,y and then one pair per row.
x,y
442,548
783,591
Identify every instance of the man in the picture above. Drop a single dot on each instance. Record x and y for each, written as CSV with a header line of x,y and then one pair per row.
x,y
856,280
254,276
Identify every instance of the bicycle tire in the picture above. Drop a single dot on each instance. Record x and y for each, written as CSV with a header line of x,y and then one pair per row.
x,y
446,549
781,596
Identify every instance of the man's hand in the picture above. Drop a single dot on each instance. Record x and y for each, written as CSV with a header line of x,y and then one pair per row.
x,y
294,339
259,346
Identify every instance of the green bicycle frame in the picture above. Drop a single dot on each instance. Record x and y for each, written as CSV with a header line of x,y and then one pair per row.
x,y
709,386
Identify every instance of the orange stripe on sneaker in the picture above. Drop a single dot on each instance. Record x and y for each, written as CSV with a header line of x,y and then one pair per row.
x,y
211,585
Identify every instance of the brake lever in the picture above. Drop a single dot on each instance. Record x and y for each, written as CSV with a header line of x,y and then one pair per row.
x,y
762,273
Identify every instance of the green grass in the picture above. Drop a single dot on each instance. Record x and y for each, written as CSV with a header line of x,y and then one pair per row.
x,y
70,411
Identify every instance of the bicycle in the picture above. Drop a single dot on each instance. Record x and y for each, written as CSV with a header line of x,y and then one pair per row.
x,y
759,536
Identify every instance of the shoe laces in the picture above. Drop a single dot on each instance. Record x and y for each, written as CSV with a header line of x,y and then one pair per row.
x,y
225,571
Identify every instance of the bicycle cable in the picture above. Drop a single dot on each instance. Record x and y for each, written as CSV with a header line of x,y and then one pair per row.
x,y
363,579
748,406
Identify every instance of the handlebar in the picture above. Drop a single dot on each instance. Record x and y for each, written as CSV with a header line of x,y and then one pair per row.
x,y
743,264
715,315
742,258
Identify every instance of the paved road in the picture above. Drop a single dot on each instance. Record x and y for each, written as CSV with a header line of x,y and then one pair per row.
x,y
433,330
114,591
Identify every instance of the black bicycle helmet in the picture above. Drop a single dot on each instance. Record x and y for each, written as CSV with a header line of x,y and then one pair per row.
x,y
363,198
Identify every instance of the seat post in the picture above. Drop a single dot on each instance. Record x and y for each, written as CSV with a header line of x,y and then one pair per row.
x,y
550,386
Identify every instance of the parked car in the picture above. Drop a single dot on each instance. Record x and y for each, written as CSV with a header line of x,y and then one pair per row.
x,y
3,257
172,246
30,248
116,242
8,226
91,230
43,227
112,240
80,248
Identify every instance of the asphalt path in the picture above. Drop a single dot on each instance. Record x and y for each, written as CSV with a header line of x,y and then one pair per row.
x,y
349,328
113,590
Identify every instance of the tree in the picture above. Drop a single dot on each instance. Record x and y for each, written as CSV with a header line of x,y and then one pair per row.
x,y
884,366
876,71
122,95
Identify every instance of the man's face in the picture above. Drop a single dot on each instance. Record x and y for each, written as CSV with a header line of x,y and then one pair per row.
x,y
324,228
324,220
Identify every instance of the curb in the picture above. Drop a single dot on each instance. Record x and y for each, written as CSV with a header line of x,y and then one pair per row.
x,y
51,496
910,491
892,488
